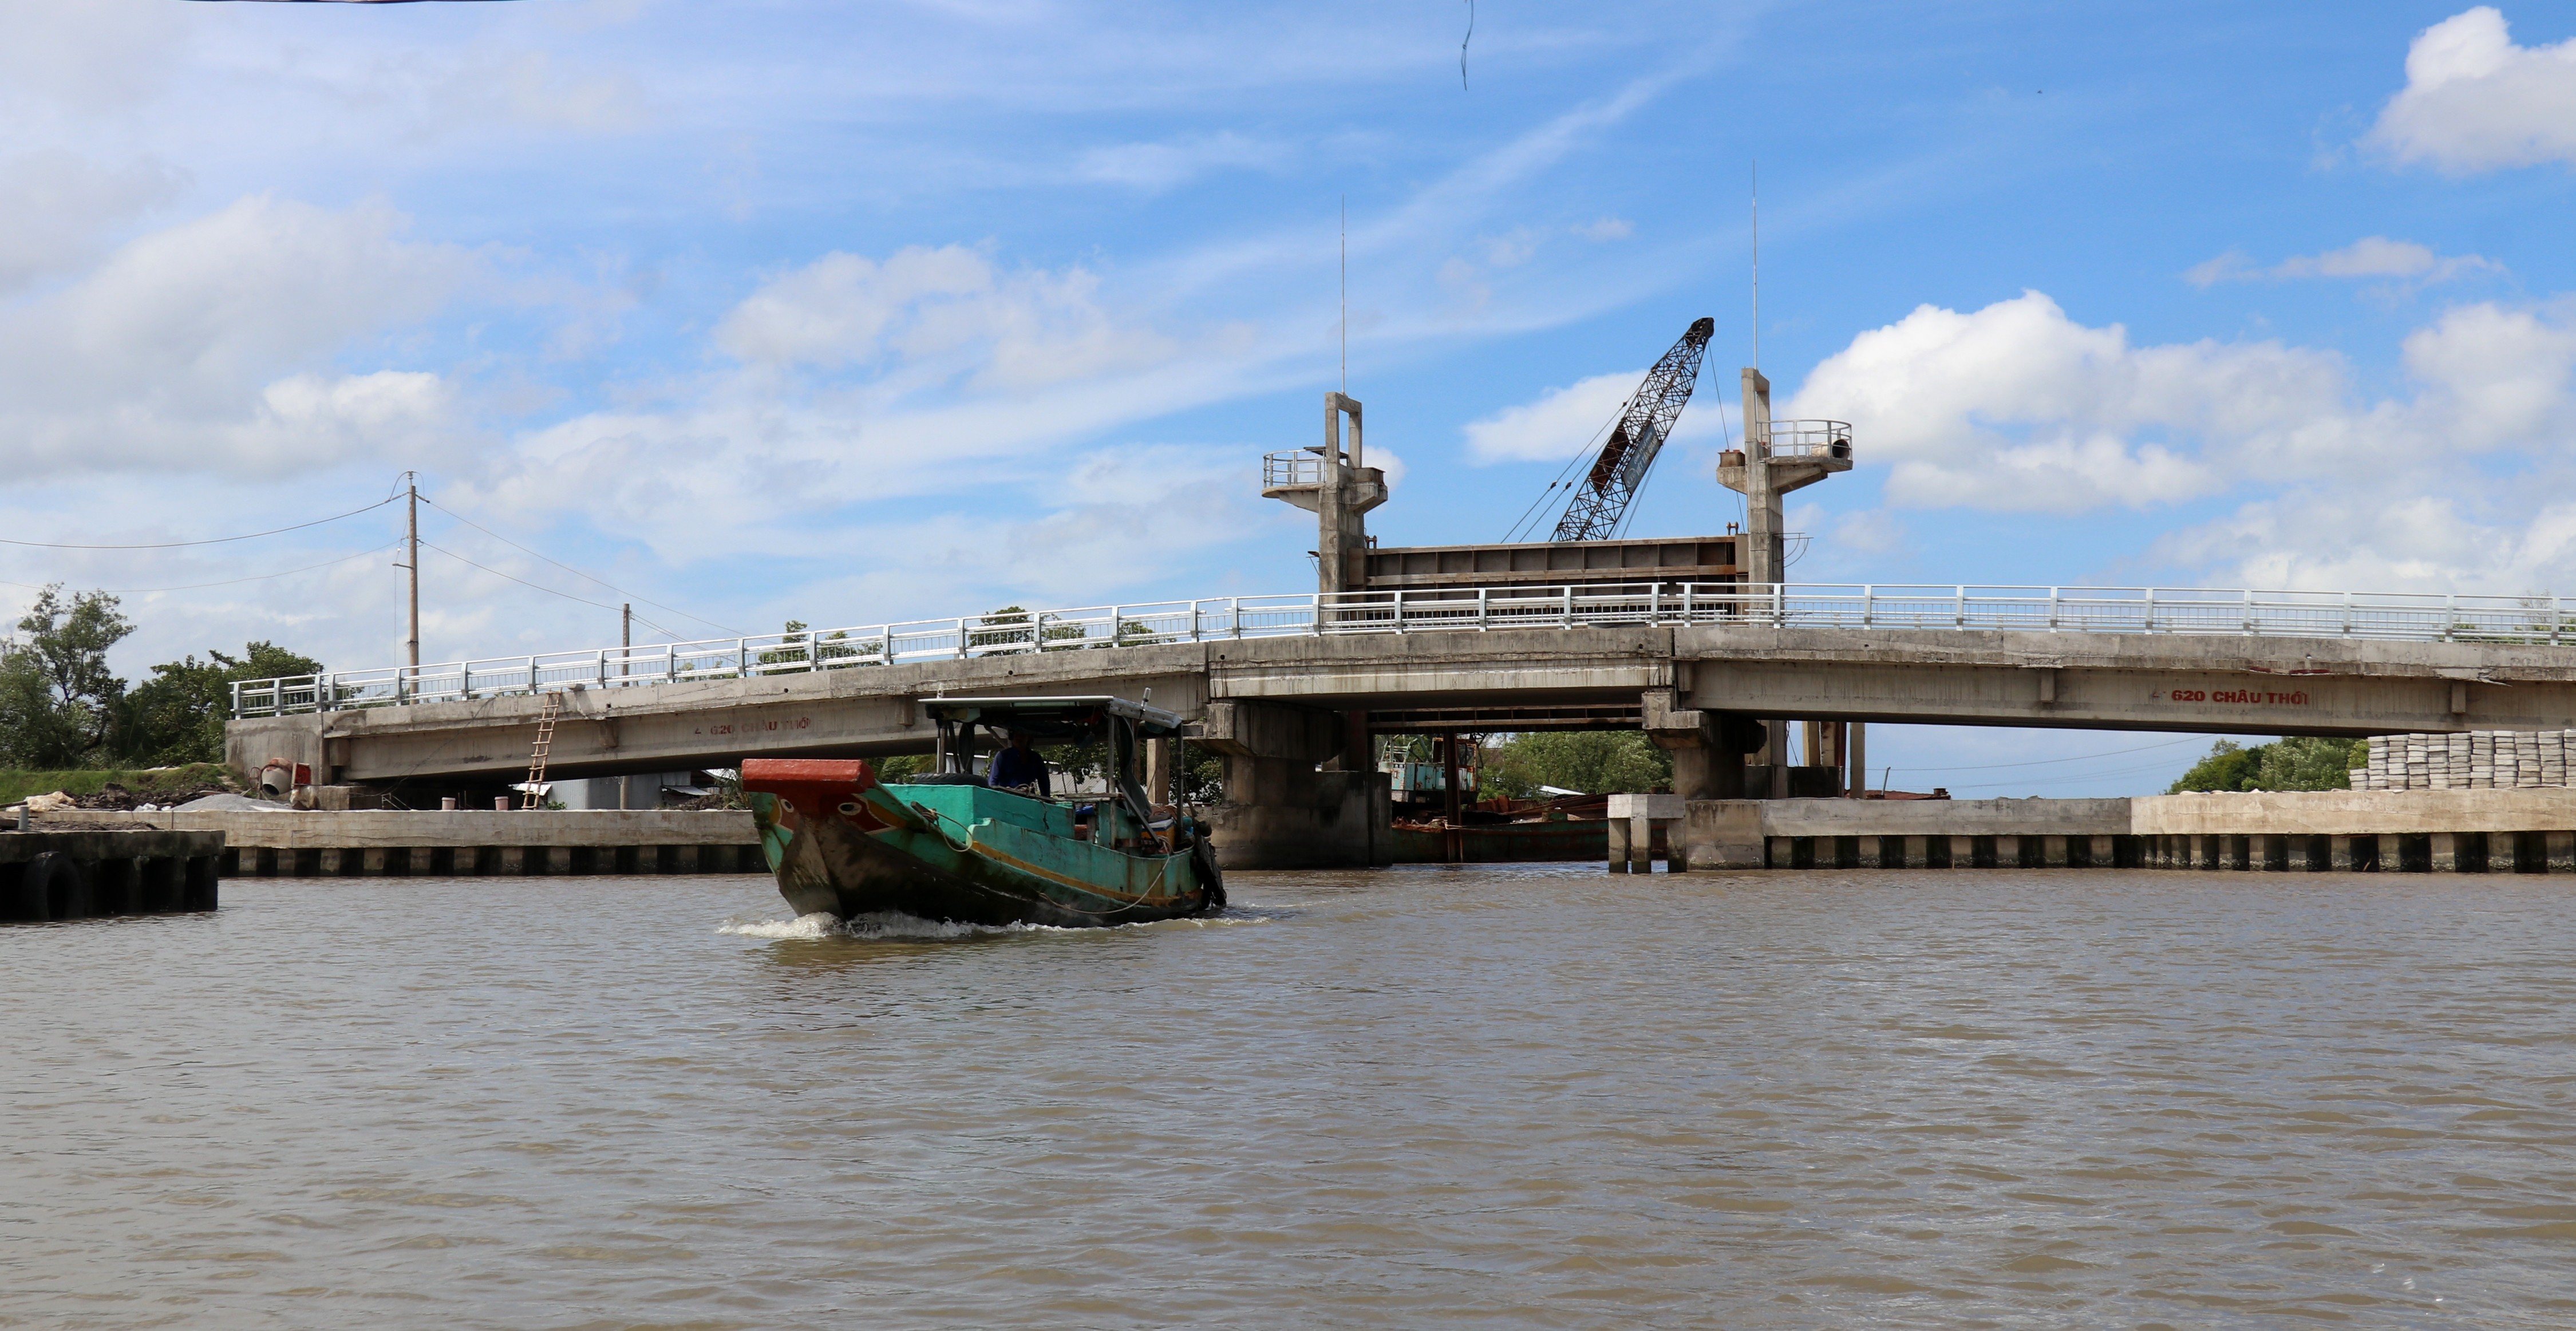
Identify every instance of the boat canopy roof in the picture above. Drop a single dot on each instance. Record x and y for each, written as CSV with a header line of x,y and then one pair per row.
x,y
1054,718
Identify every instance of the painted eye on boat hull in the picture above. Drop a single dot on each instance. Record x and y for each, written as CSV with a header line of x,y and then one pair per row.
x,y
849,808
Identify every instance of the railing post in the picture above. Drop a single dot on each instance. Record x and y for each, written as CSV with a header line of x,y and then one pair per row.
x,y
1690,602
1654,603
1399,610
1868,604
742,658
1567,619
1234,615
670,662
1779,605
2052,609
2151,610
2450,614
237,700
1959,610
2249,612
2347,615
464,682
532,674
961,637
1483,610
1317,618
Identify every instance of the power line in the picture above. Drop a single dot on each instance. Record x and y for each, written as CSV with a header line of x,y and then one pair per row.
x,y
218,540
228,582
570,569
549,590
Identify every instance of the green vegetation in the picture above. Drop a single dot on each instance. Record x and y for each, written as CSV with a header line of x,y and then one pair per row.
x,y
61,708
17,784
1596,762
2294,762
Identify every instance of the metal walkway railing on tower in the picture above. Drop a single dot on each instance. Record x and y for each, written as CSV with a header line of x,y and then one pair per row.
x,y
2388,617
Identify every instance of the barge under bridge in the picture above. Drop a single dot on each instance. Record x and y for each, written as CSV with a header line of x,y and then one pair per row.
x,y
1288,688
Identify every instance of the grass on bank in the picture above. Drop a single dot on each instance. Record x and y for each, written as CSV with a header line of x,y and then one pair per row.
x,y
17,784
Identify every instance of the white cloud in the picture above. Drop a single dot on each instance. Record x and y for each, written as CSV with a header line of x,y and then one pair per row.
x,y
2475,101
1160,166
1607,228
2371,256
1024,330
1556,425
60,206
2017,407
202,346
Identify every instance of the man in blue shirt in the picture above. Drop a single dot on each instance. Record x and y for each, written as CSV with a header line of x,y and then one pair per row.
x,y
1018,766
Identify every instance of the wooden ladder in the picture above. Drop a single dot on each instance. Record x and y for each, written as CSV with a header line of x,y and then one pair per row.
x,y
535,796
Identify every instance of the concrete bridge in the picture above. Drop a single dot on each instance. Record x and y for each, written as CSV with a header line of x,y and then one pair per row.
x,y
1289,688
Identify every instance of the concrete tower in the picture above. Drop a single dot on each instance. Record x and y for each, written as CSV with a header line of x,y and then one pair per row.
x,y
1337,489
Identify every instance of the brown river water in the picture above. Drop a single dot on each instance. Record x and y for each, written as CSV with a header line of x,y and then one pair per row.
x,y
1507,1097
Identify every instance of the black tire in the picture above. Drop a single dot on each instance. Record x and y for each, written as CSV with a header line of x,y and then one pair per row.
x,y
53,887
1203,862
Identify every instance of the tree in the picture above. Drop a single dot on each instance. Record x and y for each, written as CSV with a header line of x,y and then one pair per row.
x,y
57,696
2295,762
178,715
1596,762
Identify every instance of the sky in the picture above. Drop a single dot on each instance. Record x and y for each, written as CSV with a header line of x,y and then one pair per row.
x,y
855,312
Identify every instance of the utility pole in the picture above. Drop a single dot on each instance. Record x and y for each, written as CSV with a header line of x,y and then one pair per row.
x,y
411,544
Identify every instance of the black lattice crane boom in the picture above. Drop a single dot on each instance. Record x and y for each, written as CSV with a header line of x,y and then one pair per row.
x,y
1602,497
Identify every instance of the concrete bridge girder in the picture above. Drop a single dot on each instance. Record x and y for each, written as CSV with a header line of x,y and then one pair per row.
x,y
2260,686
866,711
2224,684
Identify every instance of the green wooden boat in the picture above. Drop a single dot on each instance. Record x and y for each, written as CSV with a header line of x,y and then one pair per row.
x,y
946,846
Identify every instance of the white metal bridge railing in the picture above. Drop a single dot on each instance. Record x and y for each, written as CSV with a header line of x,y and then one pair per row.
x,y
2395,617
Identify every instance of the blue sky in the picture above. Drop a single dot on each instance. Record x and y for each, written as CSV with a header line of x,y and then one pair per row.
x,y
849,312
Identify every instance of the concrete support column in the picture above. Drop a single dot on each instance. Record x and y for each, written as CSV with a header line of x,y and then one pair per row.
x,y
2392,856
2276,853
1718,835
2339,853
514,860
1783,853
558,859
2052,852
1158,771
1279,811
1618,831
1870,852
1641,845
2446,851
2560,849
372,861
1963,852
2102,852
1917,852
2504,852
2296,853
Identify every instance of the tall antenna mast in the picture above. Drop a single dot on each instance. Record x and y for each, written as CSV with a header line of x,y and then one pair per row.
x,y
1757,263
1346,295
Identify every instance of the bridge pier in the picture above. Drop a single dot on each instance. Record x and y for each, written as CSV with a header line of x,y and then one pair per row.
x,y
1281,811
